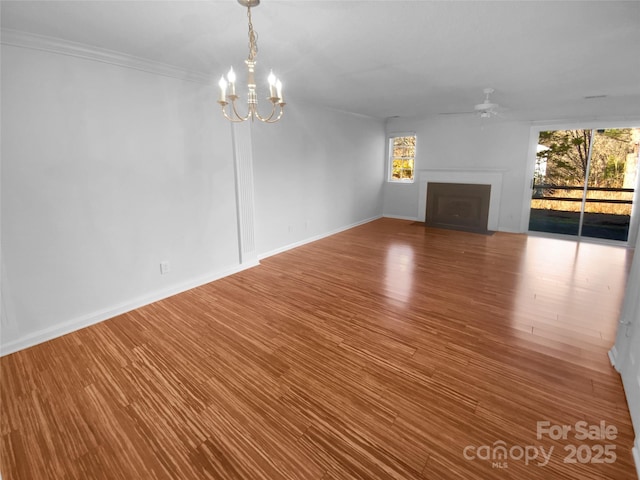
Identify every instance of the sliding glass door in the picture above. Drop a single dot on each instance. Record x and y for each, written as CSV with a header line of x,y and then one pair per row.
x,y
584,182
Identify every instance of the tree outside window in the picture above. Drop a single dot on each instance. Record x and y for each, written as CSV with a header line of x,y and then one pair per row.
x,y
402,153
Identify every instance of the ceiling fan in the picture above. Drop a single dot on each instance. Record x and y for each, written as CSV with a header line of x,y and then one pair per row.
x,y
486,109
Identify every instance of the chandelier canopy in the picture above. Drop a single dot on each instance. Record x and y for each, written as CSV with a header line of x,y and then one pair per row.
x,y
228,85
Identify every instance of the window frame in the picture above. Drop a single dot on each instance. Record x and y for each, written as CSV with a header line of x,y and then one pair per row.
x,y
390,140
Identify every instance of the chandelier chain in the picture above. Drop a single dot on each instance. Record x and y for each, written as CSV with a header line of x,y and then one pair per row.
x,y
253,44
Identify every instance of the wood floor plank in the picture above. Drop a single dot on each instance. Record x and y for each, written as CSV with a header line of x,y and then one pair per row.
x,y
382,352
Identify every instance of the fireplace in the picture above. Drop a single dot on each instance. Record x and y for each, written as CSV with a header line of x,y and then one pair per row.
x,y
490,176
458,206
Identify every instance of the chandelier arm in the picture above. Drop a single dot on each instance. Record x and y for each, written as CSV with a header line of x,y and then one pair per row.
x,y
266,119
235,112
234,120
270,118
235,116
279,115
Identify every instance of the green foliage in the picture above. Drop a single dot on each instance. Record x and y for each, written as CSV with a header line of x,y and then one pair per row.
x,y
403,156
568,153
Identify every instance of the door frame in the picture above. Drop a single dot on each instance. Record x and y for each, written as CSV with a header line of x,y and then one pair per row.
x,y
536,128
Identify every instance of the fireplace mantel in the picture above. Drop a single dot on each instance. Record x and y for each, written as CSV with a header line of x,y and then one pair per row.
x,y
482,177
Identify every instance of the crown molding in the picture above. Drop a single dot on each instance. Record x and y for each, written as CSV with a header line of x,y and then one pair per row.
x,y
65,47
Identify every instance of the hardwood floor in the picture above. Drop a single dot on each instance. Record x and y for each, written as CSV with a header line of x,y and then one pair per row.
x,y
385,352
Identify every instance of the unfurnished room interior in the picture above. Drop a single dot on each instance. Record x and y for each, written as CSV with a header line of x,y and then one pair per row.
x,y
319,240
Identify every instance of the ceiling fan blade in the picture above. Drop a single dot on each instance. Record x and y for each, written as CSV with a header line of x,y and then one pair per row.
x,y
456,113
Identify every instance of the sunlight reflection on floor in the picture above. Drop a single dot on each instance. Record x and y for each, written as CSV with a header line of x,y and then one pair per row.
x,y
399,272
572,272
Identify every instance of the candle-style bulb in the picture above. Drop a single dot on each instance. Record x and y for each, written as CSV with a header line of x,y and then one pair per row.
x,y
231,76
279,90
272,84
223,89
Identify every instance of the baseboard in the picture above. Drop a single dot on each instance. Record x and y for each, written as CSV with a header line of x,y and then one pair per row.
x,y
636,455
400,217
613,354
315,238
64,328
416,219
509,230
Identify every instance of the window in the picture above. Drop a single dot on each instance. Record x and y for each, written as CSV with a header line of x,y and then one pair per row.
x,y
402,153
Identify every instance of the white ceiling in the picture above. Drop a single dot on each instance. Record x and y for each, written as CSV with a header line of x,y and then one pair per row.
x,y
382,58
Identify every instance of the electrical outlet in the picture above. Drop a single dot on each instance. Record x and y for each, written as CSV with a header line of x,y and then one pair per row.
x,y
165,267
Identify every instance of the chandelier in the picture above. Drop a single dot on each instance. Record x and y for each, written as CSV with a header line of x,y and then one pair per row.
x,y
228,85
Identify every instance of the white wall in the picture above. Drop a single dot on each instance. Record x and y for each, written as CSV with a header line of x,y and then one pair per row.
x,y
316,172
626,352
631,369
464,142
106,171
